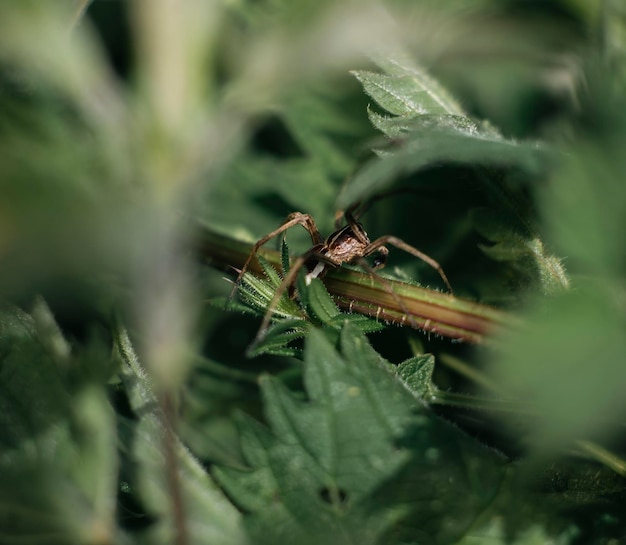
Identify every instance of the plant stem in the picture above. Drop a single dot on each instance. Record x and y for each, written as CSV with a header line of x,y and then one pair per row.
x,y
79,10
432,311
172,469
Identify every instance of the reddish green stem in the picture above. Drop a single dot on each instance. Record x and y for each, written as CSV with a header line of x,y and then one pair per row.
x,y
431,311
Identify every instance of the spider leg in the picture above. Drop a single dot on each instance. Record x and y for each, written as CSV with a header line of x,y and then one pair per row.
x,y
379,243
296,218
351,214
289,280
381,260
357,228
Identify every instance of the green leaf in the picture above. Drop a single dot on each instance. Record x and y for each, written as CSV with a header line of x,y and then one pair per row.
x,y
428,129
319,303
277,338
213,391
417,374
362,323
396,127
258,292
58,452
407,90
428,146
566,361
356,459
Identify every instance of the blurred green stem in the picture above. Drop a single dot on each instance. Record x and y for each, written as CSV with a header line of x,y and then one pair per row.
x,y
432,311
80,7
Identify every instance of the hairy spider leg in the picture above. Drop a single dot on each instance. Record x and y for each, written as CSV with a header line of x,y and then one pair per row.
x,y
378,246
350,214
400,244
293,219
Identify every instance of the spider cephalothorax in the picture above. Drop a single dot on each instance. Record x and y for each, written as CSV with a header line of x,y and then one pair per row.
x,y
346,245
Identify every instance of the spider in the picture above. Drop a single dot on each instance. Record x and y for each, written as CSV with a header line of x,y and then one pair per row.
x,y
349,244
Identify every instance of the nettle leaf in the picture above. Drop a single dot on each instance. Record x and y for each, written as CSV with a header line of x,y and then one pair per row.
x,y
417,374
318,301
320,309
209,516
277,339
427,128
259,292
58,454
290,319
428,145
360,461
406,90
396,127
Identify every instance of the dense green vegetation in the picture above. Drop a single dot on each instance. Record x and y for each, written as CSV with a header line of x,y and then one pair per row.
x,y
145,145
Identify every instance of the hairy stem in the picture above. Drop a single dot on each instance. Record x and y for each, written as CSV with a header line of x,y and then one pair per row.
x,y
432,311
80,7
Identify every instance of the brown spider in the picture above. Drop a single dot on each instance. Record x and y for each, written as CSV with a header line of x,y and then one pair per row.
x,y
349,244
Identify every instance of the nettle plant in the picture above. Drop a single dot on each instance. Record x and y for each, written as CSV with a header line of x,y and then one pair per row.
x,y
469,392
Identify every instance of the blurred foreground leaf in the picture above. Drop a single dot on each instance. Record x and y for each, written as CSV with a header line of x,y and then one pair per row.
x,y
58,443
568,360
567,363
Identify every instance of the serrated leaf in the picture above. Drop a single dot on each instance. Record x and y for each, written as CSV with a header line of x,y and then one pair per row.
x,y
278,337
319,303
433,146
400,63
407,94
397,127
417,374
257,490
259,292
359,455
363,323
271,274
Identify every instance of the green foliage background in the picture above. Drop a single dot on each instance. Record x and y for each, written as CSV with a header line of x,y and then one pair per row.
x,y
487,133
